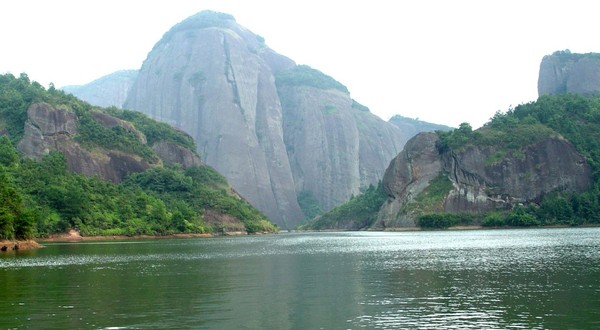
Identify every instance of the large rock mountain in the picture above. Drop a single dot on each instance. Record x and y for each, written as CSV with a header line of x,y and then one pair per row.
x,y
566,72
273,128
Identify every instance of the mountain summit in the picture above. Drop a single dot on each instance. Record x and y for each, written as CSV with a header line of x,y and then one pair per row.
x,y
276,130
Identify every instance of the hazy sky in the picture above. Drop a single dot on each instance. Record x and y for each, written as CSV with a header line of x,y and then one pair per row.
x,y
441,61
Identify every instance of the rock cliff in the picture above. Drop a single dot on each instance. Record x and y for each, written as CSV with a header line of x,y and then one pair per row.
x,y
221,84
566,72
50,128
110,90
478,184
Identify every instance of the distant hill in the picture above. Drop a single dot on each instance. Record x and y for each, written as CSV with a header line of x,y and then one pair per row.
x,y
110,90
411,127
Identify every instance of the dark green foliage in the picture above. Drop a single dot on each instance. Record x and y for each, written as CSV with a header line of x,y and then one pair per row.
x,y
153,130
9,156
16,94
303,75
360,211
309,204
92,134
195,190
444,220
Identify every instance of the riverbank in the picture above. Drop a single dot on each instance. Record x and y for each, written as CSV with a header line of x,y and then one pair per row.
x,y
19,245
74,236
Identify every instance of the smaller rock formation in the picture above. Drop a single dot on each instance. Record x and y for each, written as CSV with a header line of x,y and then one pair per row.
x,y
478,184
171,153
49,128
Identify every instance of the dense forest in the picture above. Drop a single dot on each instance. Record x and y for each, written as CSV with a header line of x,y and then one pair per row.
x,y
40,198
573,117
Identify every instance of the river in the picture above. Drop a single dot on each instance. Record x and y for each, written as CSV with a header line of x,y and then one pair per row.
x,y
481,279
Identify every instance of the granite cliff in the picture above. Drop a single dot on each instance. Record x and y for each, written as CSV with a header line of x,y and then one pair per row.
x,y
566,72
478,184
273,128
49,128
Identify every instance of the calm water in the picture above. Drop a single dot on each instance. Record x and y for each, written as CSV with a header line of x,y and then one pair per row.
x,y
517,279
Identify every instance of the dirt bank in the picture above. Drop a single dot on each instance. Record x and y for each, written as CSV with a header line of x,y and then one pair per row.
x,y
6,246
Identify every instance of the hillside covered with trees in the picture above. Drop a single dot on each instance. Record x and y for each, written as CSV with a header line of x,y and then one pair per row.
x,y
42,197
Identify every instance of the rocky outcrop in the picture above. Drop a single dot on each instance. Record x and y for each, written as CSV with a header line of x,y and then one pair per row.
x,y
216,81
407,176
49,128
52,129
478,184
110,90
171,154
566,72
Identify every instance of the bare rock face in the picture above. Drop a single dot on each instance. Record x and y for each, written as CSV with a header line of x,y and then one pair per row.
x,y
216,81
52,129
110,90
48,128
478,185
45,126
207,77
566,72
407,176
171,153
334,148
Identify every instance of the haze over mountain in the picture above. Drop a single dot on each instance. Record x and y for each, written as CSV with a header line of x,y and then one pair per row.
x,y
107,91
283,134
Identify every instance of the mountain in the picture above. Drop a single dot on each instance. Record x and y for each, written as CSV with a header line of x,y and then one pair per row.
x,y
110,90
537,164
566,72
288,137
275,129
65,164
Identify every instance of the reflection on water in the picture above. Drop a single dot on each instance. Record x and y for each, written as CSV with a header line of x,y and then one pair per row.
x,y
533,279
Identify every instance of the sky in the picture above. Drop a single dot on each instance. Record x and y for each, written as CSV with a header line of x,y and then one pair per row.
x,y
445,62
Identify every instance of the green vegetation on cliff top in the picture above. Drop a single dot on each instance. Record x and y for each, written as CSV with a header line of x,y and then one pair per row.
x,y
40,198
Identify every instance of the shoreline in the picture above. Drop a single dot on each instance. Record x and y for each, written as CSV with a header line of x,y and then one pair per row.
x,y
74,236
19,245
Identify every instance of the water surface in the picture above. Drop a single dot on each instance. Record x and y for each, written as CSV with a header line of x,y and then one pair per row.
x,y
493,279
